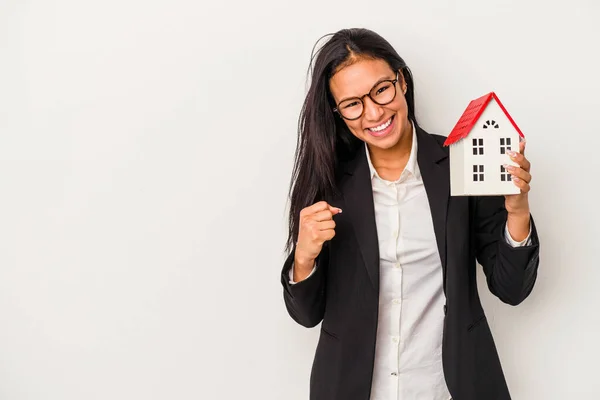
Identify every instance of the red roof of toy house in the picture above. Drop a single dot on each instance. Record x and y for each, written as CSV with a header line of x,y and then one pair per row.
x,y
471,115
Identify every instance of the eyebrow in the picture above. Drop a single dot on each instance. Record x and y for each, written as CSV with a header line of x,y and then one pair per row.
x,y
376,83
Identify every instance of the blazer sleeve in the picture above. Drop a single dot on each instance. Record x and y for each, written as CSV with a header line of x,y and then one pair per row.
x,y
305,300
510,271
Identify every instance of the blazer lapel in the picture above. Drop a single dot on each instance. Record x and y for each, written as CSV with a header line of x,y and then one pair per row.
x,y
359,206
435,171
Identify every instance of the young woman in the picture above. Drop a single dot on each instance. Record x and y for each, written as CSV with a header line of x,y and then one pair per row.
x,y
380,254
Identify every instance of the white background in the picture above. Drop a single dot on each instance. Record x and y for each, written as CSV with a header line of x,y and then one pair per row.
x,y
145,155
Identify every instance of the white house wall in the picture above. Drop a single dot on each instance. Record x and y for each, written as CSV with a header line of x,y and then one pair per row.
x,y
492,159
457,167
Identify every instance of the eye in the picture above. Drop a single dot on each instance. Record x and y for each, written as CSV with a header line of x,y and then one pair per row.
x,y
351,104
382,89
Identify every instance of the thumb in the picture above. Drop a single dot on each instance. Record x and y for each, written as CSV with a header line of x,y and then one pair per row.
x,y
335,210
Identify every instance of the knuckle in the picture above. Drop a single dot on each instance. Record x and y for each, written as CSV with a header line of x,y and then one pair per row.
x,y
314,234
305,225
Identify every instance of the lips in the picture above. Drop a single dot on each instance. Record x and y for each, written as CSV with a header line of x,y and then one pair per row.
x,y
382,129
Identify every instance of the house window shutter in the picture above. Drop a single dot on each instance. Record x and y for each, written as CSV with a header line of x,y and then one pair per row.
x,y
504,145
505,176
477,146
478,173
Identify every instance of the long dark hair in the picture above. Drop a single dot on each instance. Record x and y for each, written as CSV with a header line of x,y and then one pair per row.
x,y
323,138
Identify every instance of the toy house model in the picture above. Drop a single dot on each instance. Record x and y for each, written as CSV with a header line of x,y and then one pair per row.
x,y
478,149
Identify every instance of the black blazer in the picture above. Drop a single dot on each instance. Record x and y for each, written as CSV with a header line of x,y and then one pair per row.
x,y
343,292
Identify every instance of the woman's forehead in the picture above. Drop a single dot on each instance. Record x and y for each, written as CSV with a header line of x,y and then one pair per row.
x,y
359,77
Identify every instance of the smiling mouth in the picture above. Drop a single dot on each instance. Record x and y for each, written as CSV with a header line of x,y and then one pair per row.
x,y
383,126
384,129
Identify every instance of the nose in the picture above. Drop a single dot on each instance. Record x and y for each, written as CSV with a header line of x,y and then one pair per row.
x,y
373,111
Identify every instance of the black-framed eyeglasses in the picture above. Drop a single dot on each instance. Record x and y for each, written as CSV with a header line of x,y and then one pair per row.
x,y
383,93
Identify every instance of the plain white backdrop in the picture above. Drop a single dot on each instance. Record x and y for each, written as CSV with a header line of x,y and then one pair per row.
x,y
145,155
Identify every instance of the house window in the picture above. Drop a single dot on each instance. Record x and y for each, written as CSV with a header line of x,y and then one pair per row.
x,y
504,145
504,174
477,147
490,124
477,173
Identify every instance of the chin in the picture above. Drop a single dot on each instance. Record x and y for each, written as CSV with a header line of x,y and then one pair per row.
x,y
391,139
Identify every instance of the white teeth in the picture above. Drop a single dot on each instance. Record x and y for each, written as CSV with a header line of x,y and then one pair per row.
x,y
382,126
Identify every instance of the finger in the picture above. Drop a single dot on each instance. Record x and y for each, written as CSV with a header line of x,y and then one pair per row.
x,y
323,215
325,225
522,143
521,184
335,210
330,211
319,206
519,159
520,173
327,234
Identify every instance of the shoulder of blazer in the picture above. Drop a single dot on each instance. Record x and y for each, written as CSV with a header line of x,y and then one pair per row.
x,y
440,139
431,146
431,140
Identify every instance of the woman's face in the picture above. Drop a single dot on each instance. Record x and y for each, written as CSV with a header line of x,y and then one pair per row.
x,y
381,126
